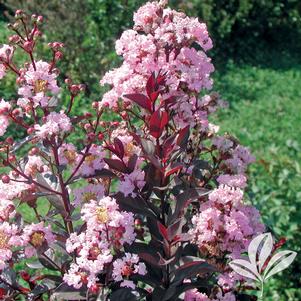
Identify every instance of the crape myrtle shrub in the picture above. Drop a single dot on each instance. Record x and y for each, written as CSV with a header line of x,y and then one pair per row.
x,y
147,206
241,29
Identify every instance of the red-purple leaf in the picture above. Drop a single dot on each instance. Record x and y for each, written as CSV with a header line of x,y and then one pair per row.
x,y
116,164
163,230
173,170
149,259
158,121
141,100
150,85
183,136
170,101
119,148
154,95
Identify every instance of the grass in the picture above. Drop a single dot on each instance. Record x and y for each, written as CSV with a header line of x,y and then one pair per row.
x,y
265,114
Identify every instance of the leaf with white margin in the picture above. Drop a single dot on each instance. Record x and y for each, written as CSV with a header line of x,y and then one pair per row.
x,y
245,268
254,247
283,260
265,251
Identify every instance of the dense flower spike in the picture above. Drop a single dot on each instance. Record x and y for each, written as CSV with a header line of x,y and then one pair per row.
x,y
146,203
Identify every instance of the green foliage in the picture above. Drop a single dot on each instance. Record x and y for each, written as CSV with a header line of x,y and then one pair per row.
x,y
240,27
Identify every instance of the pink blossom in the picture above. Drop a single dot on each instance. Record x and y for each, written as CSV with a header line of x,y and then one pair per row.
x,y
67,154
7,209
226,195
125,267
225,297
225,223
2,71
56,123
92,254
12,189
3,124
93,161
38,82
239,181
144,51
104,216
6,53
195,295
9,239
241,158
37,235
132,181
35,165
87,193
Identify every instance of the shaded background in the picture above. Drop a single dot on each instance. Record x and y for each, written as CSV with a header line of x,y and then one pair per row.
x,y
257,46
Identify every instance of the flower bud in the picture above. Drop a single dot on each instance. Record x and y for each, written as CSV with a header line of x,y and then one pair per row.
x,y
94,289
9,140
25,276
91,136
11,158
40,19
30,131
100,136
34,151
58,55
5,179
14,39
95,105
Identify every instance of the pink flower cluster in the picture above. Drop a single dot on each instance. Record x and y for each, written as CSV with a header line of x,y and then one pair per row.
x,y
56,123
36,236
194,295
225,224
162,41
108,229
36,82
125,267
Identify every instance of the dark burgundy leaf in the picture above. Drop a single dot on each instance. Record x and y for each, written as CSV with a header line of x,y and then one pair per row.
x,y
141,100
116,164
154,96
103,173
150,85
183,136
123,294
191,269
148,258
173,170
175,229
132,162
158,121
119,148
162,230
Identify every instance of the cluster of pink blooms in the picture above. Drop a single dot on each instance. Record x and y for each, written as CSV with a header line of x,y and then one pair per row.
x,y
126,266
108,229
225,224
195,295
36,83
162,41
56,123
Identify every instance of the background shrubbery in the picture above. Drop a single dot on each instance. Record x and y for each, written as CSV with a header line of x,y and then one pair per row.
x,y
257,46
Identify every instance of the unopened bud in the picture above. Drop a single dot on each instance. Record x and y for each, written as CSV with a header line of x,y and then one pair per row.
x,y
5,179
